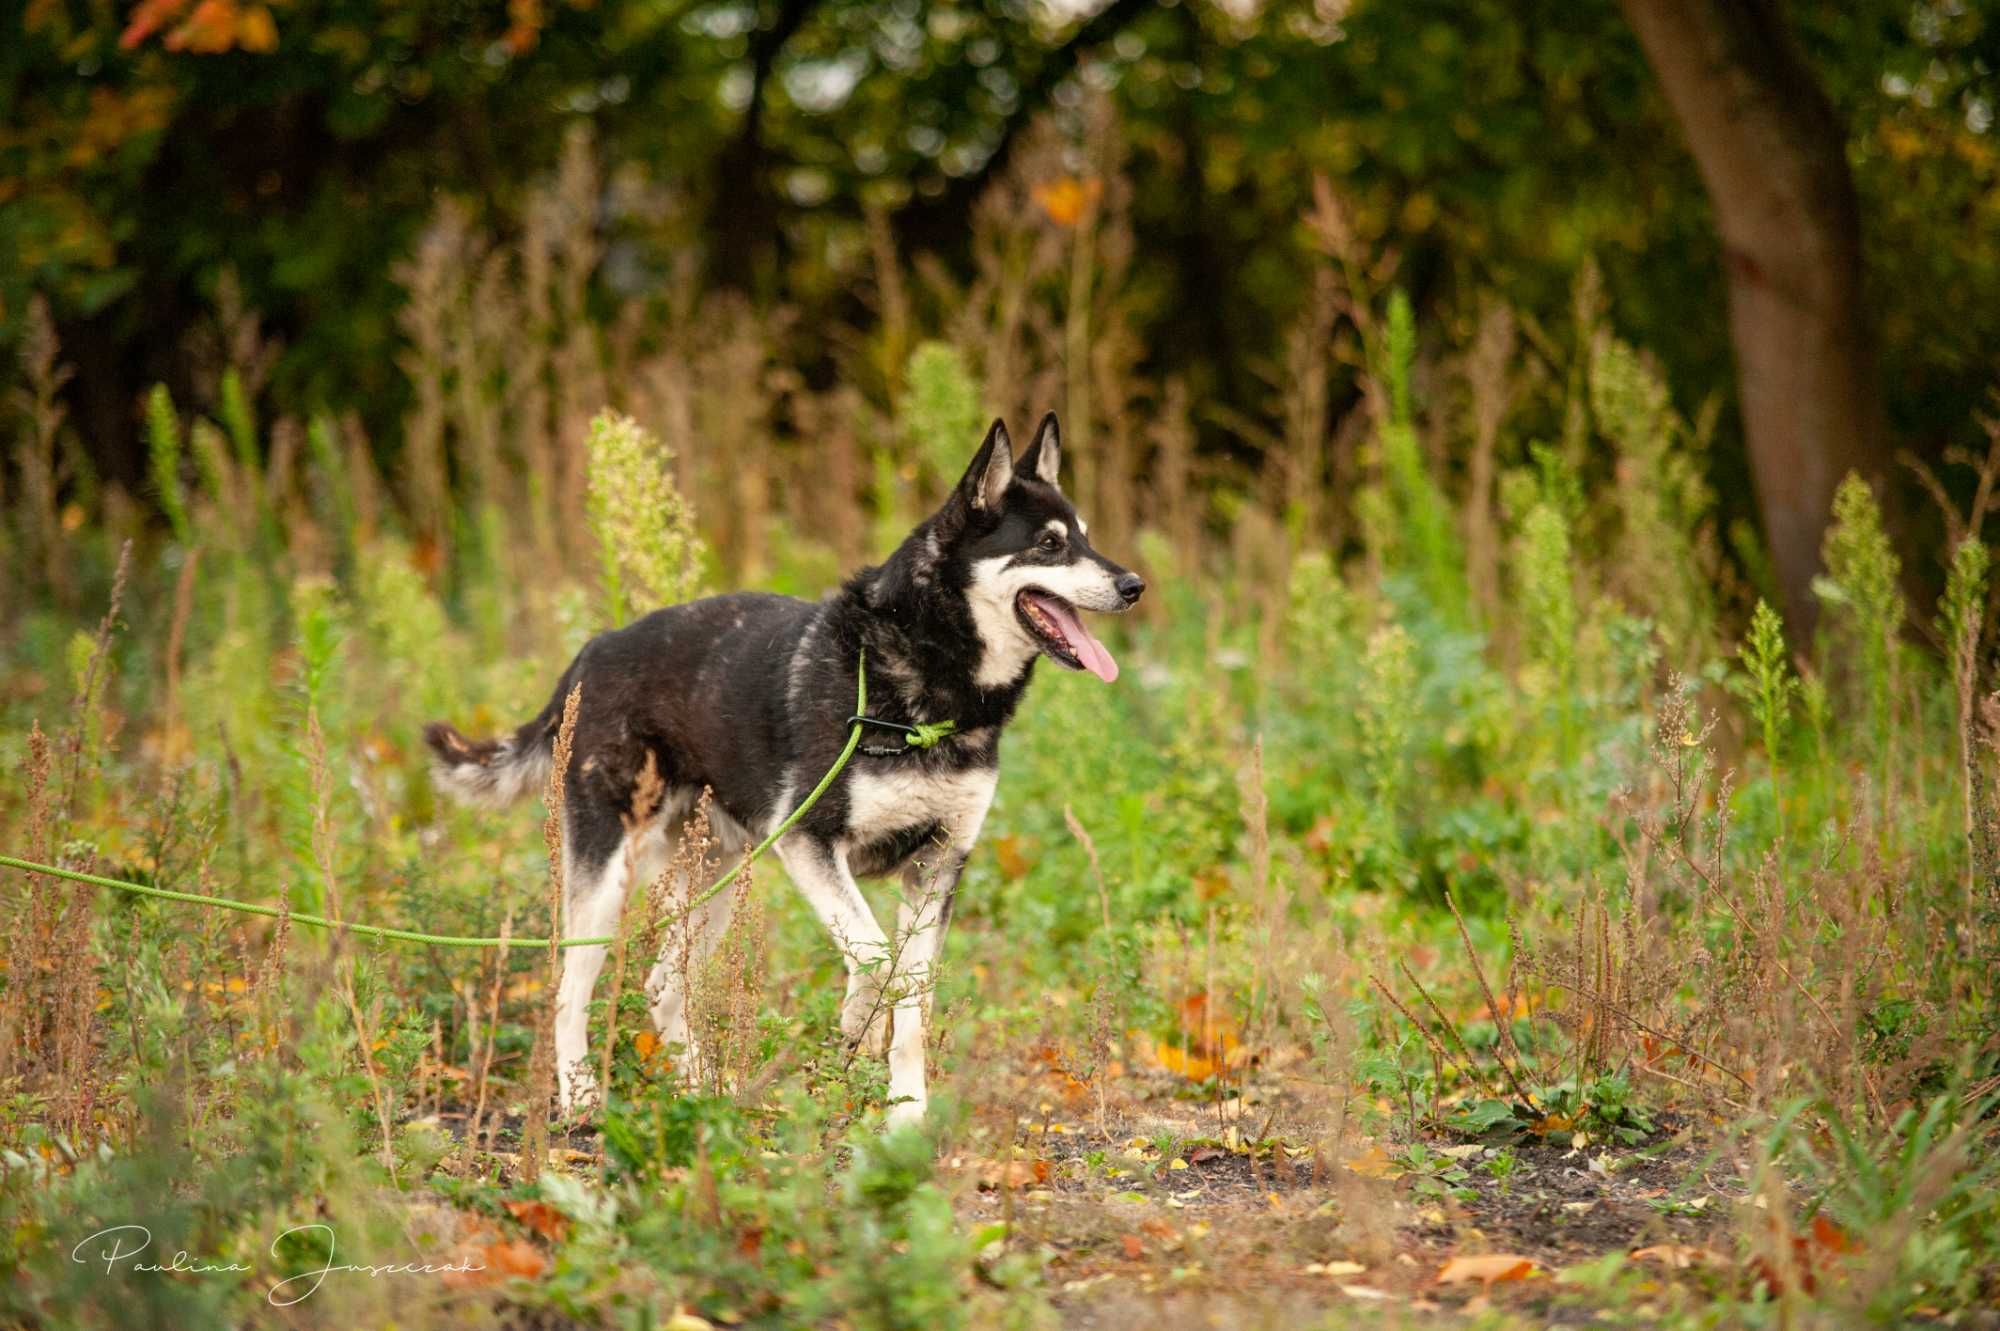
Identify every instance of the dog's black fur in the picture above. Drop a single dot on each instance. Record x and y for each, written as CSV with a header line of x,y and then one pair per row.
x,y
713,690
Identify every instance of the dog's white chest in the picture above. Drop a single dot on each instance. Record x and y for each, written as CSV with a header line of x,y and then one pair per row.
x,y
891,801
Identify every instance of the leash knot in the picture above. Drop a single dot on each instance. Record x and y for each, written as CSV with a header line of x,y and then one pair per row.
x,y
923,735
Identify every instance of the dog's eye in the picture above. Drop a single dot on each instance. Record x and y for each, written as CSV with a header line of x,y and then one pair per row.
x,y
1050,543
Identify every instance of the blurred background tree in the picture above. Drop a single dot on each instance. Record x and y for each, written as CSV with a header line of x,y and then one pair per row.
x,y
177,173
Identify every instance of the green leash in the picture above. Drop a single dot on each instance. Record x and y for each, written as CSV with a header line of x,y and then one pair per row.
x,y
932,735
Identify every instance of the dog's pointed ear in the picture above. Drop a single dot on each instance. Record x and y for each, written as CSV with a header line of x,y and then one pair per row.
x,y
991,472
1043,460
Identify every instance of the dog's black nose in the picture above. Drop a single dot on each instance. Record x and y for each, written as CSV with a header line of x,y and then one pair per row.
x,y
1130,586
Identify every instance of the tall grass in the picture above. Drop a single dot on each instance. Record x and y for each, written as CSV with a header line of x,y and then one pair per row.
x,y
1739,873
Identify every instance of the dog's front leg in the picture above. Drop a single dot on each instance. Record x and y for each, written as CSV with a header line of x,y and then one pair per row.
x,y
821,874
920,926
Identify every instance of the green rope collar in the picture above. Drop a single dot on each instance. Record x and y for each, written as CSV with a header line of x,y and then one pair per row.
x,y
915,737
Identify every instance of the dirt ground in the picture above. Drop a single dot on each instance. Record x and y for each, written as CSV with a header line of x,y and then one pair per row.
x,y
1176,1215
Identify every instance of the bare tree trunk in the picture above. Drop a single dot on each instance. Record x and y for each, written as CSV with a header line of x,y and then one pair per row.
x,y
1772,154
743,217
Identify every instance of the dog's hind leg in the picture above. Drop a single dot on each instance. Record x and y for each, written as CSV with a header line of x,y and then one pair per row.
x,y
684,946
595,896
920,926
820,872
685,943
593,902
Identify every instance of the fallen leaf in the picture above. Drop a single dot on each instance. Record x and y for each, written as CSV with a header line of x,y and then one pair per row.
x,y
513,1257
1334,1268
1485,1268
542,1218
1679,1256
1135,1247
1007,853
1830,1236
1364,1292
1065,198
1812,1253
1375,1163
1201,1155
1012,1173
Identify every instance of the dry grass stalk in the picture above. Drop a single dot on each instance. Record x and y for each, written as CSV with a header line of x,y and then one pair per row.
x,y
892,301
542,1061
1103,1014
725,992
267,991
646,795
1175,498
1439,1054
427,279
345,962
1492,386
30,918
482,1076
1503,1021
38,457
176,724
77,739
1304,391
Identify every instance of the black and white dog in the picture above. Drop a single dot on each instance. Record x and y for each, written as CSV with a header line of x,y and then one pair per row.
x,y
749,695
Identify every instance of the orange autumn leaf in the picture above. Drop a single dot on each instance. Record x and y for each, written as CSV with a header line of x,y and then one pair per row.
x,y
1516,1005
148,18
1183,1062
1010,1174
1811,1255
1208,1043
1832,1237
210,29
1065,198
525,30
515,1257
1008,855
1070,1086
542,1218
1135,1247
1486,1269
491,1262
257,30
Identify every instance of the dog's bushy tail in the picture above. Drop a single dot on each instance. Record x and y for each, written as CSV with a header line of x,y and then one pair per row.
x,y
496,771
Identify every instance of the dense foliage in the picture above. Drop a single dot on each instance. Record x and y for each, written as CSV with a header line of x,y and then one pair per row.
x,y
1485,149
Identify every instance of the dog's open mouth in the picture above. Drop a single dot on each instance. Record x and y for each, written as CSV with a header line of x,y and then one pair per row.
x,y
1053,623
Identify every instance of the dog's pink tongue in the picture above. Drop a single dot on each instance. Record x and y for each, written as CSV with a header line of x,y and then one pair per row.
x,y
1088,649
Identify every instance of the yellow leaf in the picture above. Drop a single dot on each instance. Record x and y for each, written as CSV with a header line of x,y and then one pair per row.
x,y
1065,198
1375,1163
1485,1269
256,30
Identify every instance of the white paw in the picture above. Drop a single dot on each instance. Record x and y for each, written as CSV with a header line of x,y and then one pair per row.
x,y
905,1114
